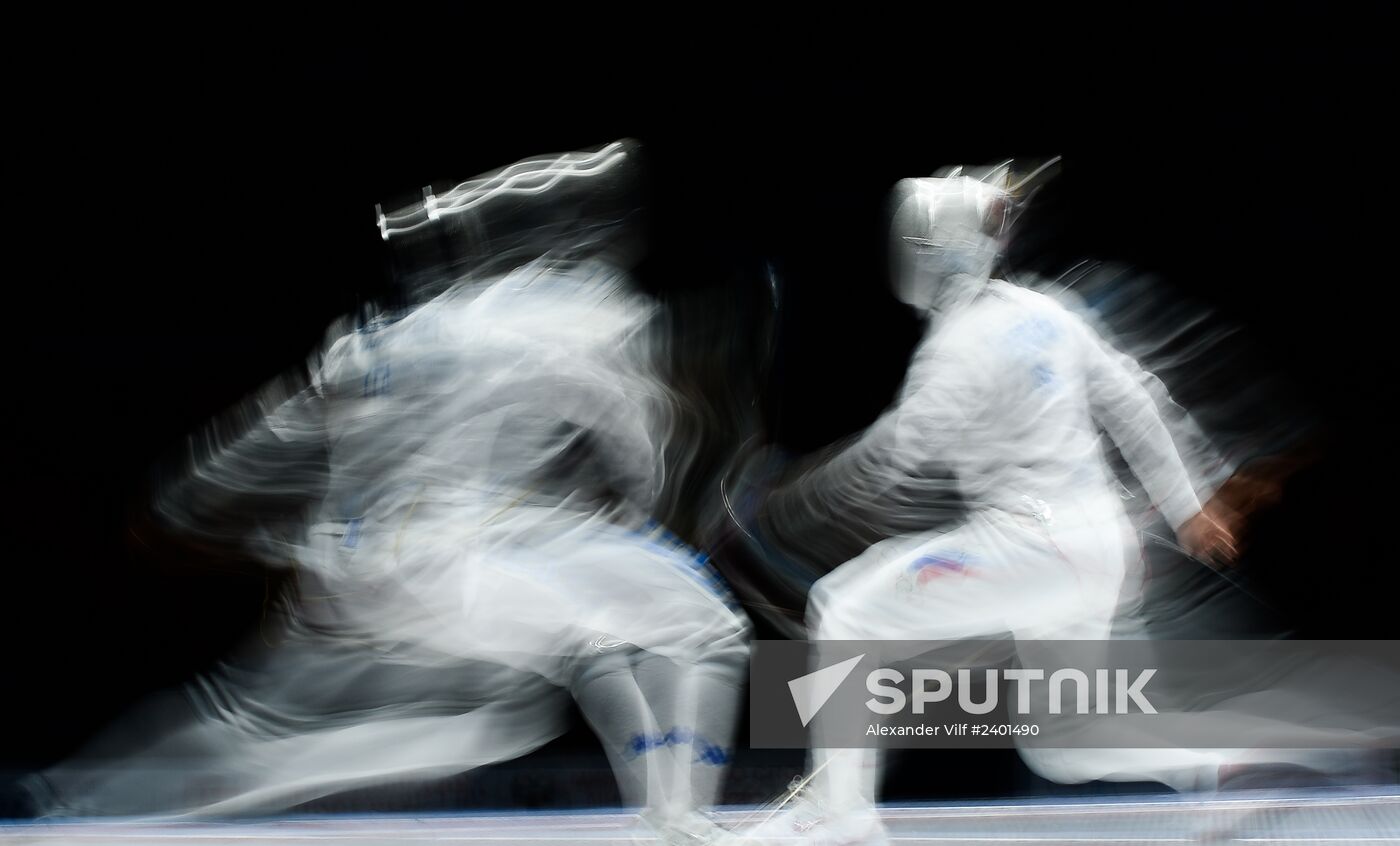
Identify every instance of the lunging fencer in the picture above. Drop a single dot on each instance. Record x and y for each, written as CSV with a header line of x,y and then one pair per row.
x,y
466,491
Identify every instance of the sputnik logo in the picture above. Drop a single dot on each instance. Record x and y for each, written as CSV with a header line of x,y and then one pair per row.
x,y
811,692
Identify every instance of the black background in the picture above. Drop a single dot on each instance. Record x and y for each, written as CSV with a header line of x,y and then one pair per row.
x,y
196,200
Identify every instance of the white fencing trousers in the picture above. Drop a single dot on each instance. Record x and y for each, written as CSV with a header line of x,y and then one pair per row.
x,y
1054,576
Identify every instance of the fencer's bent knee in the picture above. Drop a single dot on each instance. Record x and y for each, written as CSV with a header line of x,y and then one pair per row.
x,y
832,616
729,648
608,657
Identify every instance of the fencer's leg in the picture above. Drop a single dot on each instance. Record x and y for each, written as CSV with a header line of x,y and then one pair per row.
x,y
219,761
160,756
1096,548
303,767
696,703
715,693
844,782
611,701
124,769
897,590
664,684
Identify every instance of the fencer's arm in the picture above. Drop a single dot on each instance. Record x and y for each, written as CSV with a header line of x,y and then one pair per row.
x,y
612,409
938,403
245,470
1123,406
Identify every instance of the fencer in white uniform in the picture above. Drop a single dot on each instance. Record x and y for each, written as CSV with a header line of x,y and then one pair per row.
x,y
478,474
1008,391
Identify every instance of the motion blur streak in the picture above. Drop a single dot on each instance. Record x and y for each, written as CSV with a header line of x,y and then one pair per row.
x,y
465,488
986,505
